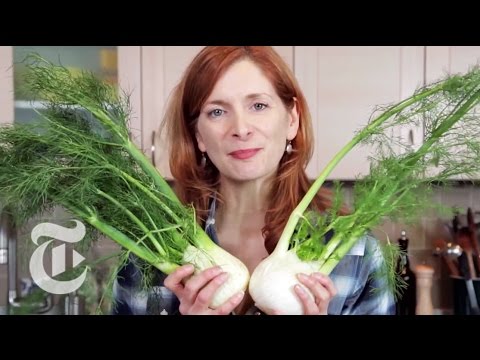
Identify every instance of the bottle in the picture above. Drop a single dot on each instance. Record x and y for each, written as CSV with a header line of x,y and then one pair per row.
x,y
407,299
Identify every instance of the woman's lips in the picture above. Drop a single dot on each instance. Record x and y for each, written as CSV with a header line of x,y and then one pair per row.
x,y
244,154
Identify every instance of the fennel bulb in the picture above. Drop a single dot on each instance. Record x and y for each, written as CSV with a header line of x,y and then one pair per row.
x,y
271,284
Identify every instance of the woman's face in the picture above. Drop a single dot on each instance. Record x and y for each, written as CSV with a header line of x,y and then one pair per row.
x,y
244,126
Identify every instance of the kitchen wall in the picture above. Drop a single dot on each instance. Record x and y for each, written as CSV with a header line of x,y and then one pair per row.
x,y
429,228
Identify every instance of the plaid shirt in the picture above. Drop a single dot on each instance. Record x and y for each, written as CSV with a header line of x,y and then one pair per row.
x,y
358,291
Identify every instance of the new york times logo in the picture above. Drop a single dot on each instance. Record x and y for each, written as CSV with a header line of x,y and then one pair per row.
x,y
37,270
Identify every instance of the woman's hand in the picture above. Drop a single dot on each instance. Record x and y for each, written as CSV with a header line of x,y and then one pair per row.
x,y
195,292
321,287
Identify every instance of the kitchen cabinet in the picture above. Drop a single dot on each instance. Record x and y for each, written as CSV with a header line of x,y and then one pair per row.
x,y
6,85
343,85
442,60
162,68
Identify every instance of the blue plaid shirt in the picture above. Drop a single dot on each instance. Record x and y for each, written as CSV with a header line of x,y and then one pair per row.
x,y
358,291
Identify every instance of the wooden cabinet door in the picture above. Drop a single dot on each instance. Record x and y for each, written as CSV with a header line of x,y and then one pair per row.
x,y
162,69
443,60
343,85
6,85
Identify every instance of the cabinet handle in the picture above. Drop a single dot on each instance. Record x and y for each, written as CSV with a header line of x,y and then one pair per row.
x,y
153,148
410,137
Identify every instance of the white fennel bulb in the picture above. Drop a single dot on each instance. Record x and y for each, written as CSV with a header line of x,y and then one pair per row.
x,y
216,256
272,283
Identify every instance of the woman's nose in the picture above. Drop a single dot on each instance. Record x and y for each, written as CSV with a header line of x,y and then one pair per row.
x,y
241,127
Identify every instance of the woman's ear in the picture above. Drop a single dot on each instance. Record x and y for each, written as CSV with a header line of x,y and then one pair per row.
x,y
293,121
201,144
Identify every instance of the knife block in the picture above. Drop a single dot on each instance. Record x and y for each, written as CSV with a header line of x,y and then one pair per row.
x,y
461,299
424,274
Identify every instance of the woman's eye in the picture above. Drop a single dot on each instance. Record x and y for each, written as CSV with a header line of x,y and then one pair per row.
x,y
259,106
215,112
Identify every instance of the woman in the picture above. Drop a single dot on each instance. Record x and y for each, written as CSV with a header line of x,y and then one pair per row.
x,y
241,140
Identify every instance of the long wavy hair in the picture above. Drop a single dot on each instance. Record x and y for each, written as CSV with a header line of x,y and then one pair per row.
x,y
195,184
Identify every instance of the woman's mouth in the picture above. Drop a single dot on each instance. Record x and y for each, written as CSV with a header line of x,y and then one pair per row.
x,y
244,153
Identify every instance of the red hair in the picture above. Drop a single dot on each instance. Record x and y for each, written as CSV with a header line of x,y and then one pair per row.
x,y
195,184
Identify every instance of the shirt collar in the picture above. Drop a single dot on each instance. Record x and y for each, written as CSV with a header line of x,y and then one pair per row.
x,y
210,223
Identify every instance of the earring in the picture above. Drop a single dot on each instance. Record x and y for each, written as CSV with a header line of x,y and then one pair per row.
x,y
203,162
289,148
